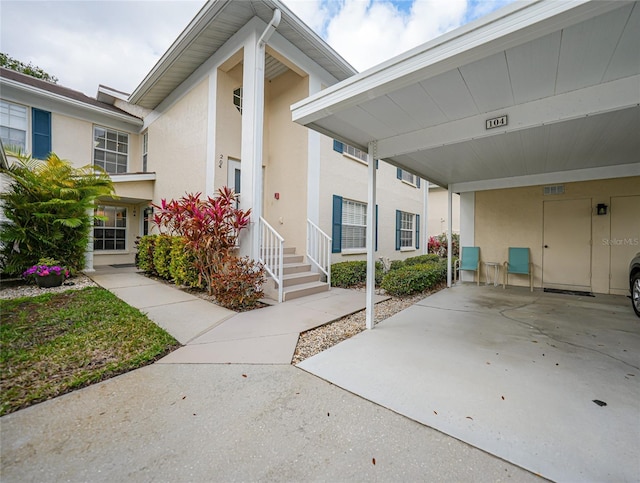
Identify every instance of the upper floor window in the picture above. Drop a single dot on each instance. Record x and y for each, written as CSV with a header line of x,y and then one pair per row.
x,y
407,177
237,99
13,125
111,150
145,146
350,151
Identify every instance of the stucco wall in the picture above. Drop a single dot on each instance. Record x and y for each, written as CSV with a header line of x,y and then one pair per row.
x,y
437,212
178,145
228,123
72,139
286,160
344,176
514,217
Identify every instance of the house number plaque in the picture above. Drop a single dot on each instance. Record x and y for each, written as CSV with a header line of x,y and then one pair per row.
x,y
496,122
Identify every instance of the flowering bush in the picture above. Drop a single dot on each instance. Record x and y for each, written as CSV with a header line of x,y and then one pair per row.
x,y
45,267
438,245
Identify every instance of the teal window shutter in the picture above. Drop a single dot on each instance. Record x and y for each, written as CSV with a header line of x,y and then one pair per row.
x,y
418,181
398,225
399,173
417,231
336,229
376,249
377,163
41,133
338,146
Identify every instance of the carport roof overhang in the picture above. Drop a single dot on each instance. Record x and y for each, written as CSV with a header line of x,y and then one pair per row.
x,y
566,75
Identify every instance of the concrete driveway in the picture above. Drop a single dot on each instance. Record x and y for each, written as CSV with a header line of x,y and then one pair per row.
x,y
511,372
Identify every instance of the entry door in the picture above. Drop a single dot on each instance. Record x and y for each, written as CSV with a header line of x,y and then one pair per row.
x,y
625,239
566,262
233,176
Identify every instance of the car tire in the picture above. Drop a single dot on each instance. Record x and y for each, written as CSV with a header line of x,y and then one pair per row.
x,y
635,293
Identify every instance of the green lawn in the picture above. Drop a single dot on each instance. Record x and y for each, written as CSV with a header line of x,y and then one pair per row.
x,y
54,343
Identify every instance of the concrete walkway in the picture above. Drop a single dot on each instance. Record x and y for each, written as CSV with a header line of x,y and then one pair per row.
x,y
212,334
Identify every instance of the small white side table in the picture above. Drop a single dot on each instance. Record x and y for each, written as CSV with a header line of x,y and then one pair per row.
x,y
496,272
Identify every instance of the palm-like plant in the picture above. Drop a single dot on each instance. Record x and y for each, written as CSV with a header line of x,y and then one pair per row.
x,y
48,205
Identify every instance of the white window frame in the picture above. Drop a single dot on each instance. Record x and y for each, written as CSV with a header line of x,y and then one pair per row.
x,y
355,153
106,150
145,148
104,225
9,125
407,225
238,99
348,211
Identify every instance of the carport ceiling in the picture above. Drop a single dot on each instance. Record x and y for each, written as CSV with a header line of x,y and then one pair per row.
x,y
566,75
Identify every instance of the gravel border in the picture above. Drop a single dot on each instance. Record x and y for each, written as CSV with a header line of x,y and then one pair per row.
x,y
10,291
321,338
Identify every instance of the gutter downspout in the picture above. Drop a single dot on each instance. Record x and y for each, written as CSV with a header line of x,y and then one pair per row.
x,y
258,128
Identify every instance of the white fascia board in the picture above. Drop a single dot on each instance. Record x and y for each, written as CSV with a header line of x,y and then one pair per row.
x,y
517,24
188,35
40,98
130,177
209,67
586,174
589,101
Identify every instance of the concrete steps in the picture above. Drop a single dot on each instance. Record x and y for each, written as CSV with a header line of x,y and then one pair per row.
x,y
298,278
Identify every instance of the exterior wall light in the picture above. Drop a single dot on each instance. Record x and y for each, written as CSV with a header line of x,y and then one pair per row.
x,y
601,209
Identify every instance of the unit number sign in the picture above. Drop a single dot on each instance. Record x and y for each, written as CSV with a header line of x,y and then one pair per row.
x,y
496,122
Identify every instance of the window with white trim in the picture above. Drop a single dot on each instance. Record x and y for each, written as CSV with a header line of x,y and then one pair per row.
x,y
354,225
408,177
237,99
406,230
111,150
145,146
110,233
355,152
13,125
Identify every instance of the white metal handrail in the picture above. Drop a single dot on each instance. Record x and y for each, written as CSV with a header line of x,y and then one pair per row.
x,y
272,253
319,249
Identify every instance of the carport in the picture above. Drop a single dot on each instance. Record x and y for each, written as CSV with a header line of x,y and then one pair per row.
x,y
513,373
538,93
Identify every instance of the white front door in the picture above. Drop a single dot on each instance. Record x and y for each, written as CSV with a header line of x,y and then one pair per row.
x,y
567,245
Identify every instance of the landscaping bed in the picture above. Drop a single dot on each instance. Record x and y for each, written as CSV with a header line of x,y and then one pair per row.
x,y
59,341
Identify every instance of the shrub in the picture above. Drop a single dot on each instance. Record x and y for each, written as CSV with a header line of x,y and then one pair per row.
x,y
439,244
238,285
353,274
414,278
47,205
422,259
182,267
144,255
396,264
162,256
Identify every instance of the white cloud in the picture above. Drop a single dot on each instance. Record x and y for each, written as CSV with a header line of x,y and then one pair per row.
x,y
116,43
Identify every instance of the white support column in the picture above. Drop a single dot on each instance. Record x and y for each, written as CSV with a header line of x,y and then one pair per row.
x,y
211,134
88,254
371,235
449,233
313,162
425,217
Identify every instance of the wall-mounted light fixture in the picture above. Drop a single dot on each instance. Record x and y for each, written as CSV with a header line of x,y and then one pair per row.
x,y
148,211
601,209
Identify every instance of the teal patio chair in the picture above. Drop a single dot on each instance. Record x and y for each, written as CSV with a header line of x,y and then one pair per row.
x,y
519,264
469,260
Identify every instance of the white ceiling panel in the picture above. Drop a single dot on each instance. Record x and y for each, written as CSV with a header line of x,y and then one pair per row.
x,y
388,113
533,67
450,93
587,49
626,58
489,83
418,106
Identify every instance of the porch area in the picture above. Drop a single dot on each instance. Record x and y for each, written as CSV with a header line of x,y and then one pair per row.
x,y
548,382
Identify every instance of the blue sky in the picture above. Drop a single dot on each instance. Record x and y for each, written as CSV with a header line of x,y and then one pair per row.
x,y
116,43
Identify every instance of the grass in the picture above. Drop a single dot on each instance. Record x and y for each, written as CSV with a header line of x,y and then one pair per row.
x,y
54,343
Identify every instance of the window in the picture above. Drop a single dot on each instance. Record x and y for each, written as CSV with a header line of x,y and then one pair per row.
x,y
407,231
145,146
237,99
408,177
111,150
354,225
13,125
110,233
351,151
349,228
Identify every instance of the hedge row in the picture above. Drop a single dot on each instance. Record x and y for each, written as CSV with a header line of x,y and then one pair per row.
x,y
167,257
412,275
